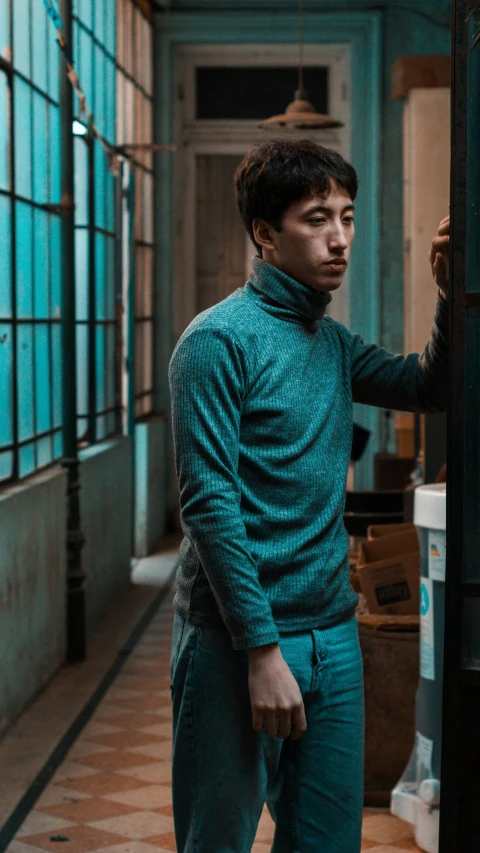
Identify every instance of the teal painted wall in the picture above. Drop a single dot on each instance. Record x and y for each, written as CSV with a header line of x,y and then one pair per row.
x,y
106,521
32,589
33,568
420,27
150,478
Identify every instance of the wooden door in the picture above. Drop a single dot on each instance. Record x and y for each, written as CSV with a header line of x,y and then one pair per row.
x,y
220,262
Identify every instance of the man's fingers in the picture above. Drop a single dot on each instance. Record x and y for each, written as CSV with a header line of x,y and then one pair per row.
x,y
439,245
299,721
257,720
440,271
444,226
440,262
272,723
285,725
276,725
440,241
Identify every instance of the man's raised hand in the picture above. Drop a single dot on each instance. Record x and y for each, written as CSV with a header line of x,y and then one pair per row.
x,y
438,257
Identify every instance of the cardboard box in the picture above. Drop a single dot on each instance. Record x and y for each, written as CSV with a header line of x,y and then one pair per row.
x,y
403,542
419,72
375,531
405,431
389,573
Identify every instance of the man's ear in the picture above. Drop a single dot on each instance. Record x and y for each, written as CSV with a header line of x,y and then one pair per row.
x,y
263,233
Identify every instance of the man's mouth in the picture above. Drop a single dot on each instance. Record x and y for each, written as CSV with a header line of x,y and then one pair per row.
x,y
336,264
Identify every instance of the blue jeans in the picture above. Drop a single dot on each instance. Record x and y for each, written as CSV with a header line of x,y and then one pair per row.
x,y
223,772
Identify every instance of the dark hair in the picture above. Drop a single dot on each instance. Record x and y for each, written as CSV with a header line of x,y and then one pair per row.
x,y
274,174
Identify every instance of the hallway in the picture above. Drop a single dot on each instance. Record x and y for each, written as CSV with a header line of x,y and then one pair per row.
x,y
112,792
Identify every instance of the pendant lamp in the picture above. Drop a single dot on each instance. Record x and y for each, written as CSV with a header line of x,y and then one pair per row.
x,y
300,113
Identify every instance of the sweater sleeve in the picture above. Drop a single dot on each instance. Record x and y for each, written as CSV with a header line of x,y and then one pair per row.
x,y
207,377
416,383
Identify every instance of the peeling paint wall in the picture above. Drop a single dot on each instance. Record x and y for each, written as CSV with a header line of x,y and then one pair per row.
x,y
32,589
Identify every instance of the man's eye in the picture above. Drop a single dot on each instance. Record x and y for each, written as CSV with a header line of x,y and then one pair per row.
x,y
349,220
317,220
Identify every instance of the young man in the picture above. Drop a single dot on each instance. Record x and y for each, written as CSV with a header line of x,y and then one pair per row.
x,y
266,670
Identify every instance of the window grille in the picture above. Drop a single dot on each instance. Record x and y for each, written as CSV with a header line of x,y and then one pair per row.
x,y
30,268
113,56
96,278
135,124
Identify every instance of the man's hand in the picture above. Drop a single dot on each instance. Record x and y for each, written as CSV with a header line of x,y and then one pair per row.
x,y
439,257
275,694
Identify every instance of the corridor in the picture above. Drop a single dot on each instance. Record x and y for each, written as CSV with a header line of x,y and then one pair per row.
x,y
112,792
122,123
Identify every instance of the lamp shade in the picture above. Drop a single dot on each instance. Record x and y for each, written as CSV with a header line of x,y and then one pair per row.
x,y
301,114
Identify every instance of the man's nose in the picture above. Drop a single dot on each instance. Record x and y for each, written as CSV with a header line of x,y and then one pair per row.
x,y
337,237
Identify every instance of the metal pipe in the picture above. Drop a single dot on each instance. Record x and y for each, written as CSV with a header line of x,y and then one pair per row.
x,y
76,617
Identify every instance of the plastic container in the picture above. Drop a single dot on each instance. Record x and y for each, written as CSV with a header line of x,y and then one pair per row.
x,y
416,798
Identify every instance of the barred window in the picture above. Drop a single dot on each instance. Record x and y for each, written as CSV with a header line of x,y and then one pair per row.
x,y
135,125
30,268
98,411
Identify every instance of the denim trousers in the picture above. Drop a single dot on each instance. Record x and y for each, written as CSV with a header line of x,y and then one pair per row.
x,y
223,772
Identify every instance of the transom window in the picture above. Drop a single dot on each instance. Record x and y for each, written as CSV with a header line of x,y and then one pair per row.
x,y
226,92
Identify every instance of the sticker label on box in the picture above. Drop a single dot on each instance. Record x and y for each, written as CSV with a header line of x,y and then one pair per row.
x,y
437,546
392,593
427,634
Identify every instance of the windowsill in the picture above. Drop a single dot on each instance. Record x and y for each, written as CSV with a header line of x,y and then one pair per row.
x,y
38,478
101,447
153,416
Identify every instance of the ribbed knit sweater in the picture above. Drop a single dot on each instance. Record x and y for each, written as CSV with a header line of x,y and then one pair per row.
x,y
262,386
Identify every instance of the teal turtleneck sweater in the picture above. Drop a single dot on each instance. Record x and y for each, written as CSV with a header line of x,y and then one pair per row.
x,y
262,387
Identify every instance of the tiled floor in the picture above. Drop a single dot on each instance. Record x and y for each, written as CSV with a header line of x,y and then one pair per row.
x,y
113,792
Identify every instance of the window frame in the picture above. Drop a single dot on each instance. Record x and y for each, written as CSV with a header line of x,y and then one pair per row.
x,y
100,424
36,318
132,130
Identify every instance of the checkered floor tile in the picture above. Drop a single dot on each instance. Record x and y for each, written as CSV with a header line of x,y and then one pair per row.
x,y
113,792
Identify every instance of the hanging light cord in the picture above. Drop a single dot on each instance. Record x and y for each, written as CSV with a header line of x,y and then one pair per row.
x,y
300,45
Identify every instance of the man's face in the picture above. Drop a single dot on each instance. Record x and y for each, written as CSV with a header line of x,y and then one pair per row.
x,y
315,241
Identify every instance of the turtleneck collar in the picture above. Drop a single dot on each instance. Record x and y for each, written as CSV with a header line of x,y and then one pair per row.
x,y
286,298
